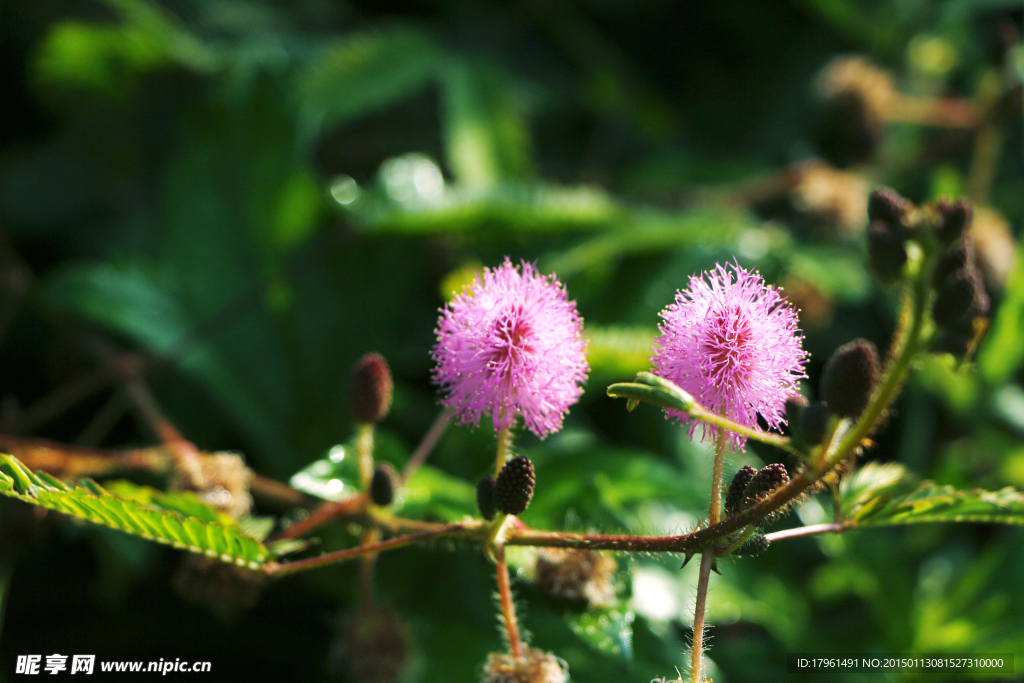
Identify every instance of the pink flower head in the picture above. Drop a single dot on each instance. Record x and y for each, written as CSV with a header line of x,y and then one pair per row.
x,y
510,344
732,342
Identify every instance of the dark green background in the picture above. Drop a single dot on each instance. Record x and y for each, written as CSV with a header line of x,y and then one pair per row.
x,y
165,176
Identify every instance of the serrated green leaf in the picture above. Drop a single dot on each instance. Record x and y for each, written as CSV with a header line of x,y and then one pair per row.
x,y
931,503
870,483
256,527
185,503
608,630
91,502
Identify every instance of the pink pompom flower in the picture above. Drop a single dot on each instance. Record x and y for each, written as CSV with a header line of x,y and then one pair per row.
x,y
511,344
732,342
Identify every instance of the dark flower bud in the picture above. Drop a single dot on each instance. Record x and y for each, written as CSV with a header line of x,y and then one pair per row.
x,y
795,405
814,423
849,377
737,487
768,479
514,487
961,297
886,253
755,545
959,256
888,206
954,219
485,498
382,486
371,389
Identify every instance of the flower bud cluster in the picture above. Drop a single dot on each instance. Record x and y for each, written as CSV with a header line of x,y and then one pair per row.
x,y
943,227
750,486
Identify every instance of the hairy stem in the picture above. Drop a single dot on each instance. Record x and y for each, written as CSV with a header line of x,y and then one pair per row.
x,y
707,560
697,652
501,456
508,610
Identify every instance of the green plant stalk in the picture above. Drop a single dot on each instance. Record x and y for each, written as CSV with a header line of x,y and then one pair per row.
x,y
740,540
501,453
364,451
914,318
707,561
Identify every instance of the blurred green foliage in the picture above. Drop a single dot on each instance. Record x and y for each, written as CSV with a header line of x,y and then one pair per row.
x,y
254,194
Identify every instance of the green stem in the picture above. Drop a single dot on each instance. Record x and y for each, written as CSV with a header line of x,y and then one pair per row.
x,y
504,441
364,451
737,542
724,423
905,346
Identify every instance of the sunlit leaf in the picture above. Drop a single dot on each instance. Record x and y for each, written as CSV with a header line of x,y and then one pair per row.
x,y
88,501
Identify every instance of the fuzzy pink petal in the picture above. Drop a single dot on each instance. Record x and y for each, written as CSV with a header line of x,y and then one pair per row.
x,y
732,342
511,344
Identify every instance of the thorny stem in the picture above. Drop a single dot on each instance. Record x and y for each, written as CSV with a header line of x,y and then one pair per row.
x,y
707,561
508,610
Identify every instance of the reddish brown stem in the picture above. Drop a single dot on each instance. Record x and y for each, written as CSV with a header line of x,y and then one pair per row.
x,y
323,514
508,610
275,569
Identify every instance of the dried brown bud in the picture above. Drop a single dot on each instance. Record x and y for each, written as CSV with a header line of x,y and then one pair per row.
x,y
535,666
220,479
579,575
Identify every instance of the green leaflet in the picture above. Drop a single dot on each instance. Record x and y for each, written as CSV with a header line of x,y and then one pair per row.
x,y
884,494
931,503
652,389
153,515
